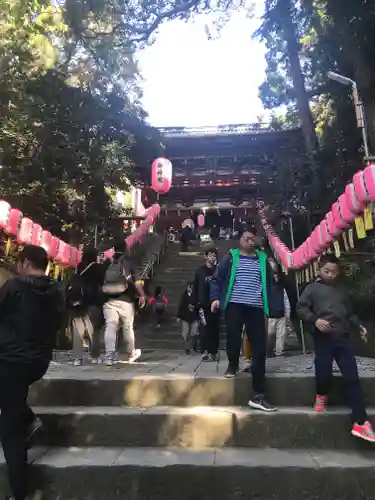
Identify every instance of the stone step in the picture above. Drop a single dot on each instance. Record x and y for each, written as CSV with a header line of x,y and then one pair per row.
x,y
203,385
174,344
213,474
199,427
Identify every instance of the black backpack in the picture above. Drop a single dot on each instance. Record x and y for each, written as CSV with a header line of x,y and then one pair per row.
x,y
75,291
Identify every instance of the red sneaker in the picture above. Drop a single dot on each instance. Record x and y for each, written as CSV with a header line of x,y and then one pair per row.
x,y
364,431
320,403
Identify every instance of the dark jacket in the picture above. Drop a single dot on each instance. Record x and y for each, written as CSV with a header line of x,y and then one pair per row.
x,y
202,281
329,302
223,280
187,310
278,299
92,281
31,314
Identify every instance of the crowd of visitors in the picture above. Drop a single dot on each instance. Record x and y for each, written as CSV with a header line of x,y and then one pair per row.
x,y
245,285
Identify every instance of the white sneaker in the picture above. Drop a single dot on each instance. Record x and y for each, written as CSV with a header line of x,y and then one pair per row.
x,y
247,366
95,361
109,359
78,362
136,355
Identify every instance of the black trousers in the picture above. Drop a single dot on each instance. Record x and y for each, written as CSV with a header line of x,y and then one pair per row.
x,y
15,419
327,348
236,317
209,330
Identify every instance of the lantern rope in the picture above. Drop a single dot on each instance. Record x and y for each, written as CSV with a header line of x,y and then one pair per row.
x,y
27,232
351,207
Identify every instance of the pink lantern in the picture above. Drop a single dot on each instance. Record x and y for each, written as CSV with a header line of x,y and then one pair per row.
x,y
326,237
360,188
45,240
108,254
161,175
5,209
337,217
53,249
36,234
61,252
66,255
369,178
347,215
14,222
354,205
73,257
332,228
24,236
200,220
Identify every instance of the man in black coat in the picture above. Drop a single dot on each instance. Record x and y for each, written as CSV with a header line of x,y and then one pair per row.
x,y
32,307
208,320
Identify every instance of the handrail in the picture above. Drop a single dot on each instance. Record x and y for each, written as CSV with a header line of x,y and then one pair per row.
x,y
150,265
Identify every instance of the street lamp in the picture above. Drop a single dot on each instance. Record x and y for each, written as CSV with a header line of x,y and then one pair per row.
x,y
359,112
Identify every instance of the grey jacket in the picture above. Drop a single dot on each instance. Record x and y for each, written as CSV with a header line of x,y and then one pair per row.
x,y
330,302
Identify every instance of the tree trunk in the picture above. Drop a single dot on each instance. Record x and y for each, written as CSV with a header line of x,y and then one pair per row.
x,y
297,76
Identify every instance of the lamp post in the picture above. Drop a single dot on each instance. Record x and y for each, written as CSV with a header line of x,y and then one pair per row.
x,y
359,112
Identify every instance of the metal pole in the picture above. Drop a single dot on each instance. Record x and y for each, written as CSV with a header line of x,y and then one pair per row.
x,y
360,115
297,287
96,236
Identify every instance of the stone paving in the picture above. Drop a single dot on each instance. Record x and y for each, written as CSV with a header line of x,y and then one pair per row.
x,y
172,363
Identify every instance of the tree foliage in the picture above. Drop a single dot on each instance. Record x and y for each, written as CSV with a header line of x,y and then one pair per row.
x,y
328,36
71,122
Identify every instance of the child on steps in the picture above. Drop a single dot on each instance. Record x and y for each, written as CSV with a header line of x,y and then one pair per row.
x,y
326,306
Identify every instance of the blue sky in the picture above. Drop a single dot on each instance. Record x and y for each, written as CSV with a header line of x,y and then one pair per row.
x,y
191,81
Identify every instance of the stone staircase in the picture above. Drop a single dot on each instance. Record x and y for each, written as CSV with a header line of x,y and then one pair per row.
x,y
173,274
172,428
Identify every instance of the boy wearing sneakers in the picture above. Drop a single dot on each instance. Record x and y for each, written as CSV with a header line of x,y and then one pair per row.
x,y
325,305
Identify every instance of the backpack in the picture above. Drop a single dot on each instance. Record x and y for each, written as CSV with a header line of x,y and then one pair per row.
x,y
75,291
116,278
159,304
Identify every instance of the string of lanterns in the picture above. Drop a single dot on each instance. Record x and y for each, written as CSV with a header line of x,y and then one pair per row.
x,y
351,207
23,231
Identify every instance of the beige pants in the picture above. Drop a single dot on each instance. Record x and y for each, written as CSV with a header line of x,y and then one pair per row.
x,y
276,334
118,312
83,325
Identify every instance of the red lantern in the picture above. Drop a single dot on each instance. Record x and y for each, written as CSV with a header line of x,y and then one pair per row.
x,y
161,175
200,220
4,213
14,222
36,234
25,233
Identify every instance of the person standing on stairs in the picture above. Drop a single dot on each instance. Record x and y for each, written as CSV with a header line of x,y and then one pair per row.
x,y
120,288
281,312
208,320
84,300
188,315
32,310
326,306
159,304
240,287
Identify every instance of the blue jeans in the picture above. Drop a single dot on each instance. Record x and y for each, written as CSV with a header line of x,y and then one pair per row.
x,y
329,347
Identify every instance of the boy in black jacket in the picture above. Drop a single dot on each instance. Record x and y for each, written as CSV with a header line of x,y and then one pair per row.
x,y
187,314
326,306
208,320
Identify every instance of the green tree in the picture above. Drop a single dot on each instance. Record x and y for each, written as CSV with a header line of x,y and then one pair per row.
x,y
66,136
